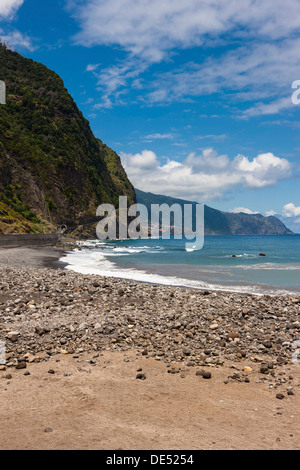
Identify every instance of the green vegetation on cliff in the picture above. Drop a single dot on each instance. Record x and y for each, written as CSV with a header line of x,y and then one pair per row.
x,y
53,170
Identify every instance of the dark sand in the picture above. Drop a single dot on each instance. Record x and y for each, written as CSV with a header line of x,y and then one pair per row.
x,y
37,257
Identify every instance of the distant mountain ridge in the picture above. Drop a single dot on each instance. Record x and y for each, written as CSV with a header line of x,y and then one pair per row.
x,y
222,223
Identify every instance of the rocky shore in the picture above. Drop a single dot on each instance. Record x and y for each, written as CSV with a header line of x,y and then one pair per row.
x,y
48,314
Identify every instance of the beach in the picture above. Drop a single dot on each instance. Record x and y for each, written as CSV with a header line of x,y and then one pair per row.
x,y
251,264
95,362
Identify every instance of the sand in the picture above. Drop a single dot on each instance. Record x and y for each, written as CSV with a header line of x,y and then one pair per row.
x,y
105,407
95,402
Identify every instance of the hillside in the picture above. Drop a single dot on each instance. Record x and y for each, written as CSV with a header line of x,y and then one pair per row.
x,y
53,170
223,223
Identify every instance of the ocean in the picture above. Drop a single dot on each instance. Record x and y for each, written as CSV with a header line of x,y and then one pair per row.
x,y
228,263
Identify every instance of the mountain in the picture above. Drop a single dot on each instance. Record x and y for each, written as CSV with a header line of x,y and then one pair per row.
x,y
222,223
53,170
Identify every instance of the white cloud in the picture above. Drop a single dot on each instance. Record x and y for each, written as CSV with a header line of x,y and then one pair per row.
x,y
9,7
290,210
203,177
209,160
264,170
270,108
113,81
214,137
270,213
149,28
256,72
245,210
92,67
12,37
17,39
159,136
146,160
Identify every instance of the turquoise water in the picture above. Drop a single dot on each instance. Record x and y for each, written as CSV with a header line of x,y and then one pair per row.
x,y
168,262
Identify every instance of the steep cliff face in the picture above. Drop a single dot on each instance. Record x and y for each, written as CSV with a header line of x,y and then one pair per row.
x,y
53,170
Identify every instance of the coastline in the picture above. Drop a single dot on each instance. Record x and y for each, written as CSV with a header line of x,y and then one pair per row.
x,y
249,275
93,331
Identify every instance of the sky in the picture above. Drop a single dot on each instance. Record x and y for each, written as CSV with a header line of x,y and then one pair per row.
x,y
201,98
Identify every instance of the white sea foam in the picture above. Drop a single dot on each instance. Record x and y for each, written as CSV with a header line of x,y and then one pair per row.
x,y
194,248
128,250
244,255
268,266
92,262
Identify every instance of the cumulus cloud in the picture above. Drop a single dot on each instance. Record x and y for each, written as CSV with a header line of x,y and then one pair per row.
x,y
290,210
140,162
264,170
9,7
244,210
270,213
206,176
208,160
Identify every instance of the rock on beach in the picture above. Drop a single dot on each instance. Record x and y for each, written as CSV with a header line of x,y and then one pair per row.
x,y
77,313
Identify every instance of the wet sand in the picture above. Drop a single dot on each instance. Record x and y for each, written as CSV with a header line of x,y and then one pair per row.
x,y
35,257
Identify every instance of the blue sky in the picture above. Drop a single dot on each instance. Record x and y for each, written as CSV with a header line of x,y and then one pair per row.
x,y
195,96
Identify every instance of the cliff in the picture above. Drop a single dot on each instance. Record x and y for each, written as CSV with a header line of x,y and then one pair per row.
x,y
53,170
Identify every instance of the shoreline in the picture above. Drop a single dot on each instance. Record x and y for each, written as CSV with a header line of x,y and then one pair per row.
x,y
75,335
50,257
157,276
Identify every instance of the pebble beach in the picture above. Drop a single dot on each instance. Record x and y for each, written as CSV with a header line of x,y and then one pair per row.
x,y
50,315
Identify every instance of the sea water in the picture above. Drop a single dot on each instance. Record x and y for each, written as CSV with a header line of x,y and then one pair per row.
x,y
232,263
